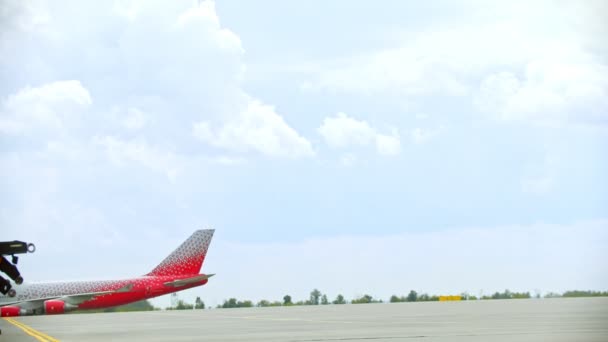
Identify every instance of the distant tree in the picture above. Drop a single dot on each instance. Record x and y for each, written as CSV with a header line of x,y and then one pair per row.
x,y
230,303
198,303
579,293
324,300
504,295
520,295
412,296
423,298
339,300
314,297
363,300
287,300
395,299
245,304
553,295
181,305
263,303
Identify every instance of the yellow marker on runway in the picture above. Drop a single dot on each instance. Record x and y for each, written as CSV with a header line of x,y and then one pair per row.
x,y
42,337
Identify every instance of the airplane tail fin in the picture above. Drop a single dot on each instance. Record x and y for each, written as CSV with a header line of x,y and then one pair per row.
x,y
188,258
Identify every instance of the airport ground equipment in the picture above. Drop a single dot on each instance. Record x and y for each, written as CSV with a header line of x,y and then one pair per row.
x,y
10,267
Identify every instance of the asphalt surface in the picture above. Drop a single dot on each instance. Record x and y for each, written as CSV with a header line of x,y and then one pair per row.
x,y
570,319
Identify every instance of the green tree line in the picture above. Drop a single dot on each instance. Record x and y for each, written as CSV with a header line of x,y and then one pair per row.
x,y
318,298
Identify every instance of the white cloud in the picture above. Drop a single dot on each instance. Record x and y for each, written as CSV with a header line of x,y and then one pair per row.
x,y
205,15
200,63
135,119
27,16
202,131
62,151
388,145
552,70
550,91
429,62
226,160
48,107
258,128
423,135
394,71
343,131
52,93
348,159
122,152
168,65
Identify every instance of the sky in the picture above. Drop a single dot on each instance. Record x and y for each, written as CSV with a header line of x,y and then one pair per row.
x,y
351,146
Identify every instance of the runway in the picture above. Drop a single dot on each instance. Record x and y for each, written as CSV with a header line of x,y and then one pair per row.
x,y
567,319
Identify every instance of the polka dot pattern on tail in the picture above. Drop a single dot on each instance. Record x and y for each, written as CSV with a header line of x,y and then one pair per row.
x,y
188,258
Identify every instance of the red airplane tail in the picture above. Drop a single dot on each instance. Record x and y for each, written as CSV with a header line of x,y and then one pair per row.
x,y
188,258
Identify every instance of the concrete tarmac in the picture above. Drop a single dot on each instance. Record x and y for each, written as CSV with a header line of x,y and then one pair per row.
x,y
564,319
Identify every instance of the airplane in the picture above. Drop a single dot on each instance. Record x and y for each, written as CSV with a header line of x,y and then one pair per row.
x,y
179,271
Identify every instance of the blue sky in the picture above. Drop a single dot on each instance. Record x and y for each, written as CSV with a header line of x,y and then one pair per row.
x,y
314,137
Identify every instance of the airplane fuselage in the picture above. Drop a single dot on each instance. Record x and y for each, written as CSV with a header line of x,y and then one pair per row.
x,y
178,271
144,287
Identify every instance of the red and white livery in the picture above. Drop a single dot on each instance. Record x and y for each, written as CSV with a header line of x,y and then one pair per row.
x,y
179,271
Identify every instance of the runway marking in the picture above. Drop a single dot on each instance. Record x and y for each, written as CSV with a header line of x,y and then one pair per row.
x,y
40,336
